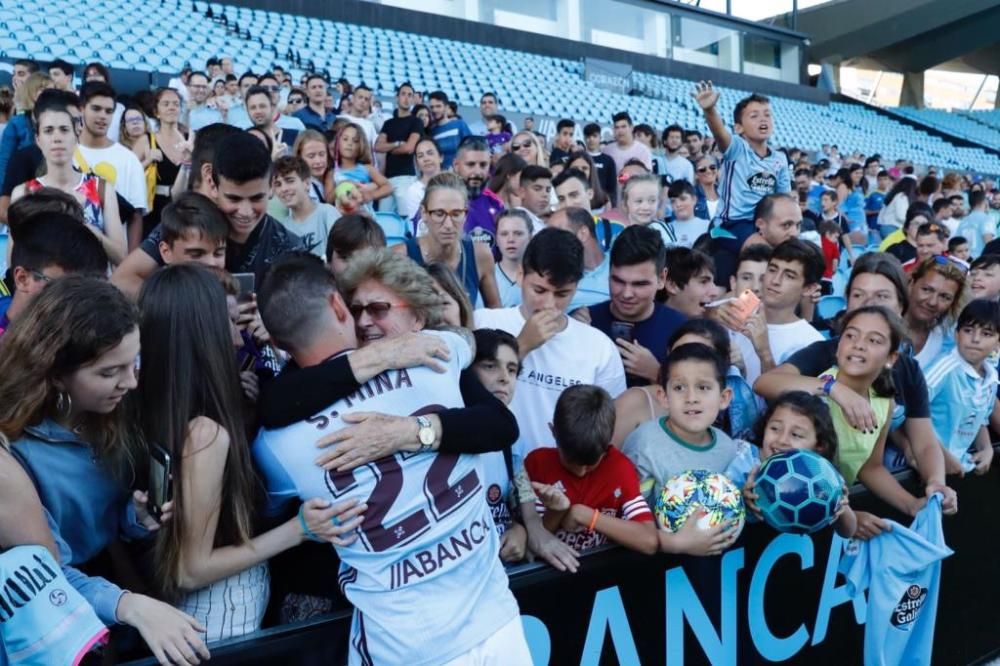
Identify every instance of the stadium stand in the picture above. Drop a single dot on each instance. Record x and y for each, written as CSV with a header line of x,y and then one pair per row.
x,y
382,58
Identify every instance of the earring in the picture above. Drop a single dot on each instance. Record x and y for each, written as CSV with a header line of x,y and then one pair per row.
x,y
64,404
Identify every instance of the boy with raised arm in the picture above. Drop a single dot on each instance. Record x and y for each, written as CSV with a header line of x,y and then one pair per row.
x,y
750,171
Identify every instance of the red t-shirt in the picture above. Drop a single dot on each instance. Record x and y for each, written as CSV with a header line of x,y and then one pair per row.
x,y
831,253
612,488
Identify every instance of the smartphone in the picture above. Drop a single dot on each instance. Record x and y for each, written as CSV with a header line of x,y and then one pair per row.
x,y
159,480
624,330
248,363
246,282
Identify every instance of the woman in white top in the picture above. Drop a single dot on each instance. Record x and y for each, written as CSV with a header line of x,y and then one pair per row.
x,y
428,159
897,201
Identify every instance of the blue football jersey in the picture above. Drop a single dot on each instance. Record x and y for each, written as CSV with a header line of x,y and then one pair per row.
x,y
425,575
747,178
902,571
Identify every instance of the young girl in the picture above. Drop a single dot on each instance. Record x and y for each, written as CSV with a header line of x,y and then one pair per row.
x,y
506,180
444,210
796,420
310,145
56,136
641,205
207,561
65,366
352,161
513,234
642,403
428,160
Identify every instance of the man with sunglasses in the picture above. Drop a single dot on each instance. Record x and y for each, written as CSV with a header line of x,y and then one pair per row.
x,y
398,141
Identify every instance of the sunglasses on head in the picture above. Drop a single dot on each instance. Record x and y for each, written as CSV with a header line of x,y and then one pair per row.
x,y
377,310
943,260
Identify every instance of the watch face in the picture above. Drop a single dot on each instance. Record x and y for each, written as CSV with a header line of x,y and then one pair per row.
x,y
426,435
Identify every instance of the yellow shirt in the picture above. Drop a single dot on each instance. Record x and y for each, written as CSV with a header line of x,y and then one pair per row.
x,y
896,236
854,447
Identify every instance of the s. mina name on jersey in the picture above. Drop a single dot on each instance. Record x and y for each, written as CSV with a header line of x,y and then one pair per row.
x,y
426,562
377,385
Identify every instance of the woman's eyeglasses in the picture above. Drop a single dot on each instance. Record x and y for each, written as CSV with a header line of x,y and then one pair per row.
x,y
296,100
519,146
377,310
706,169
438,214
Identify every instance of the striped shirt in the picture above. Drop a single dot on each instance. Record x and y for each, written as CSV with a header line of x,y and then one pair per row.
x,y
230,607
961,402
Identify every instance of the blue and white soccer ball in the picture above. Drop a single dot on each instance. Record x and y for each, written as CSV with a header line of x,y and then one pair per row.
x,y
685,493
798,491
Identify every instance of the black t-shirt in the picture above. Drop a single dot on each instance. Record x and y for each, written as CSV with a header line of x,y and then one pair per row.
x,y
652,332
902,251
400,129
911,388
607,175
266,243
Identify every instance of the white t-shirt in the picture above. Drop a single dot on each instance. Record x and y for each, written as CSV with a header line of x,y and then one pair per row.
x,y
688,231
786,339
366,126
120,167
579,354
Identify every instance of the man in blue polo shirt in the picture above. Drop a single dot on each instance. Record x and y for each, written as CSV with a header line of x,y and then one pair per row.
x,y
315,113
448,134
632,318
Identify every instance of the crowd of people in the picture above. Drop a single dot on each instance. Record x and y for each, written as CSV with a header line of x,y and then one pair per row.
x,y
245,319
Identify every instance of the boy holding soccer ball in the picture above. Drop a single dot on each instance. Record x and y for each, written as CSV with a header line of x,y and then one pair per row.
x,y
693,391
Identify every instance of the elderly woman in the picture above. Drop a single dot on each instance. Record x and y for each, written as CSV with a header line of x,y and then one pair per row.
x,y
877,279
391,299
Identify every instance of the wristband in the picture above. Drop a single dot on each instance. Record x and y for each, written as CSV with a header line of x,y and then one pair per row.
x,y
828,381
309,534
593,521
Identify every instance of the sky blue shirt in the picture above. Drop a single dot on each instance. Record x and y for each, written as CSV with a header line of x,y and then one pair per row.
x,y
447,136
961,402
593,286
747,178
901,570
972,227
425,575
203,117
86,507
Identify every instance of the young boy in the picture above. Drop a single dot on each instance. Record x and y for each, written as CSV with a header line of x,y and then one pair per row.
x,y
690,283
794,271
693,391
687,227
193,229
830,213
958,247
307,219
830,234
496,365
962,387
588,490
536,192
985,277
750,169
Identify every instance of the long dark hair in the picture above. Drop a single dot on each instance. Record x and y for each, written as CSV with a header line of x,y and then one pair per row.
x,y
192,374
600,197
506,166
907,186
883,384
70,324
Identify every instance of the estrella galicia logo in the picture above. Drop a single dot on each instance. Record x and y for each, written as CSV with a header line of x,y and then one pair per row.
x,y
762,183
906,611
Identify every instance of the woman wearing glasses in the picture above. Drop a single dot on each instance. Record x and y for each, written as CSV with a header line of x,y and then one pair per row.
x,y
528,147
443,210
706,172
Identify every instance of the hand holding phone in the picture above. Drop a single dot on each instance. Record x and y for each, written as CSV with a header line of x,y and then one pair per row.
x,y
623,330
160,491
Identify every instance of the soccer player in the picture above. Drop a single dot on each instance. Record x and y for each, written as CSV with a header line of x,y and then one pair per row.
x,y
423,572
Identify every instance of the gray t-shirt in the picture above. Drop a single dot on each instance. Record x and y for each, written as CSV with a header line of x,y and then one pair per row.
x,y
314,229
658,454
